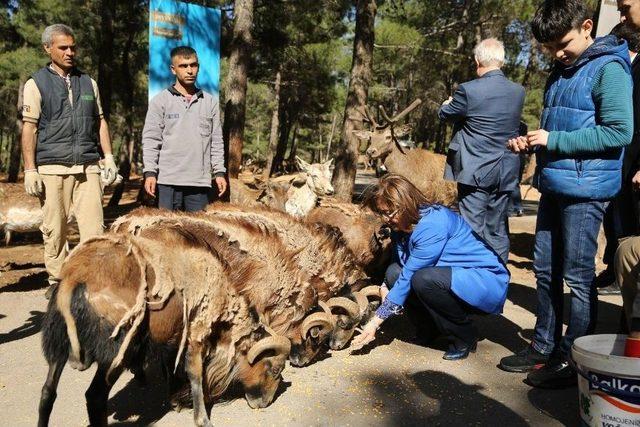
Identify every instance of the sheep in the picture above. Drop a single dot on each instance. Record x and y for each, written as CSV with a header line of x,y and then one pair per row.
x,y
283,295
173,296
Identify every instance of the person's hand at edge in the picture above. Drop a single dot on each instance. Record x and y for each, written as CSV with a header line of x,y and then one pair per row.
x,y
33,182
150,183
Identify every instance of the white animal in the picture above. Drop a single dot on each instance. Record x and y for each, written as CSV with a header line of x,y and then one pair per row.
x,y
21,213
313,181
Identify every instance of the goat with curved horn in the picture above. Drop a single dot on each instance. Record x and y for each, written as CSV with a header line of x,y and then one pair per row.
x,y
352,308
363,302
277,343
371,291
317,319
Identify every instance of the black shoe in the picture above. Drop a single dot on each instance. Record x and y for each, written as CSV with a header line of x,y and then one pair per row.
x,y
524,361
612,289
605,278
557,373
463,353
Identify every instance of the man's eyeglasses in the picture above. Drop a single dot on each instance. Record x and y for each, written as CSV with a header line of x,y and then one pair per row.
x,y
389,215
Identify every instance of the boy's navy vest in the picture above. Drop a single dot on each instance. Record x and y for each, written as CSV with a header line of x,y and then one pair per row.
x,y
67,134
569,106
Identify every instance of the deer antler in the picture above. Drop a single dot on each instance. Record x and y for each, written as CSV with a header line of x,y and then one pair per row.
x,y
369,117
404,112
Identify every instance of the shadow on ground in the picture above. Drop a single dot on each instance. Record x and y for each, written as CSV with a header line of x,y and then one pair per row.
x,y
442,400
29,282
30,327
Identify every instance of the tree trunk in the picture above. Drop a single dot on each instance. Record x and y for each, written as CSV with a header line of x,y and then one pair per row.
x,y
344,174
127,93
294,146
333,129
105,64
283,139
275,124
14,156
234,112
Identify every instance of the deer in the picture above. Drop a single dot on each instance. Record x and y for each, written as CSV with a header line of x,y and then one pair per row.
x,y
423,168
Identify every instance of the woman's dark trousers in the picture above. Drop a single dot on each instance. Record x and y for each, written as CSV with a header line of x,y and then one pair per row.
x,y
432,306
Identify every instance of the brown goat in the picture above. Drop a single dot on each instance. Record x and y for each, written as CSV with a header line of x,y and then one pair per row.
x,y
323,252
360,228
283,293
165,280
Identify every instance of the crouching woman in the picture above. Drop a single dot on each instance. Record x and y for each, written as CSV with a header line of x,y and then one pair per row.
x,y
441,270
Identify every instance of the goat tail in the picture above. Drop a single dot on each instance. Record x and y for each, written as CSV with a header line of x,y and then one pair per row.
x,y
64,298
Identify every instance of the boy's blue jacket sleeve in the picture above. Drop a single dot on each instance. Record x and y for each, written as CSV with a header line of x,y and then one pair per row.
x,y
425,247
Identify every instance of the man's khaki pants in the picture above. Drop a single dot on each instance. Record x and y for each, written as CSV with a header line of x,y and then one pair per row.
x,y
61,192
627,265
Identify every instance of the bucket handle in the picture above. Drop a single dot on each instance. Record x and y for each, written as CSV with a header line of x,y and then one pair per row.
x,y
601,386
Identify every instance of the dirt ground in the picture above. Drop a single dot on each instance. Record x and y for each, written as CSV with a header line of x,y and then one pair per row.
x,y
394,383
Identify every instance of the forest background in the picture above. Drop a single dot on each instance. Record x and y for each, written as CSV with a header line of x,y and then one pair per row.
x,y
298,58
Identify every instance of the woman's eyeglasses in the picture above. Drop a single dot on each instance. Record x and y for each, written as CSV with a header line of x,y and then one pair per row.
x,y
389,215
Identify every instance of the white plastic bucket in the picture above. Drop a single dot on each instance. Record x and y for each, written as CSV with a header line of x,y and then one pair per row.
x,y
608,383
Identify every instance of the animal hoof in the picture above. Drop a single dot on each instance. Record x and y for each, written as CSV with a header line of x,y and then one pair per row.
x,y
78,365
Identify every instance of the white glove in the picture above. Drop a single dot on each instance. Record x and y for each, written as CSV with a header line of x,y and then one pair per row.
x,y
33,182
110,171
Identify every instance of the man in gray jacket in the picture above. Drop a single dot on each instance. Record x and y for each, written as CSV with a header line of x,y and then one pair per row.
x,y
182,140
486,114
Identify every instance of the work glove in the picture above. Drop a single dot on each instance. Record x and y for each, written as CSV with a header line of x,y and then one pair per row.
x,y
33,182
110,171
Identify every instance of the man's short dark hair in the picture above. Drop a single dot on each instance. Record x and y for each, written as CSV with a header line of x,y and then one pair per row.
x,y
184,51
626,32
555,18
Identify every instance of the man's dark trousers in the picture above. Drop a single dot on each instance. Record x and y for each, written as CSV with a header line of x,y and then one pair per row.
x,y
485,209
181,198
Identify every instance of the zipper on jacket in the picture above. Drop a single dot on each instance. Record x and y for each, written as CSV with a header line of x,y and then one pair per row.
x,y
579,167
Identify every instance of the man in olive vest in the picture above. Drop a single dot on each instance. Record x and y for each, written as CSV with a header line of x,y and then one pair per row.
x,y
62,124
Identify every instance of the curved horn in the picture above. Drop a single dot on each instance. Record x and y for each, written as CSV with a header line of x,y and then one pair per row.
x,y
345,303
325,306
371,291
363,302
316,319
278,343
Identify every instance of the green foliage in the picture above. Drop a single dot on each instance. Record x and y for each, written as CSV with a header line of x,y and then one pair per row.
x,y
423,49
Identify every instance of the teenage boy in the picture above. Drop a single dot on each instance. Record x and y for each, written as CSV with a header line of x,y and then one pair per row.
x,y
586,122
182,141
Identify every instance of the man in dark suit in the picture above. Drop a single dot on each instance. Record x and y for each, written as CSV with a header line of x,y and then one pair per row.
x,y
486,114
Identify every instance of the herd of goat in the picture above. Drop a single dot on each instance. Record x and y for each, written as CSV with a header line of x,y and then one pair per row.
x,y
227,295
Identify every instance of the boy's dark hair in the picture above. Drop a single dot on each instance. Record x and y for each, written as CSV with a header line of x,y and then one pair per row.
x,y
626,32
185,51
555,18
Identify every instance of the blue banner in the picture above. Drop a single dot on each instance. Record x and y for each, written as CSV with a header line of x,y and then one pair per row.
x,y
174,23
